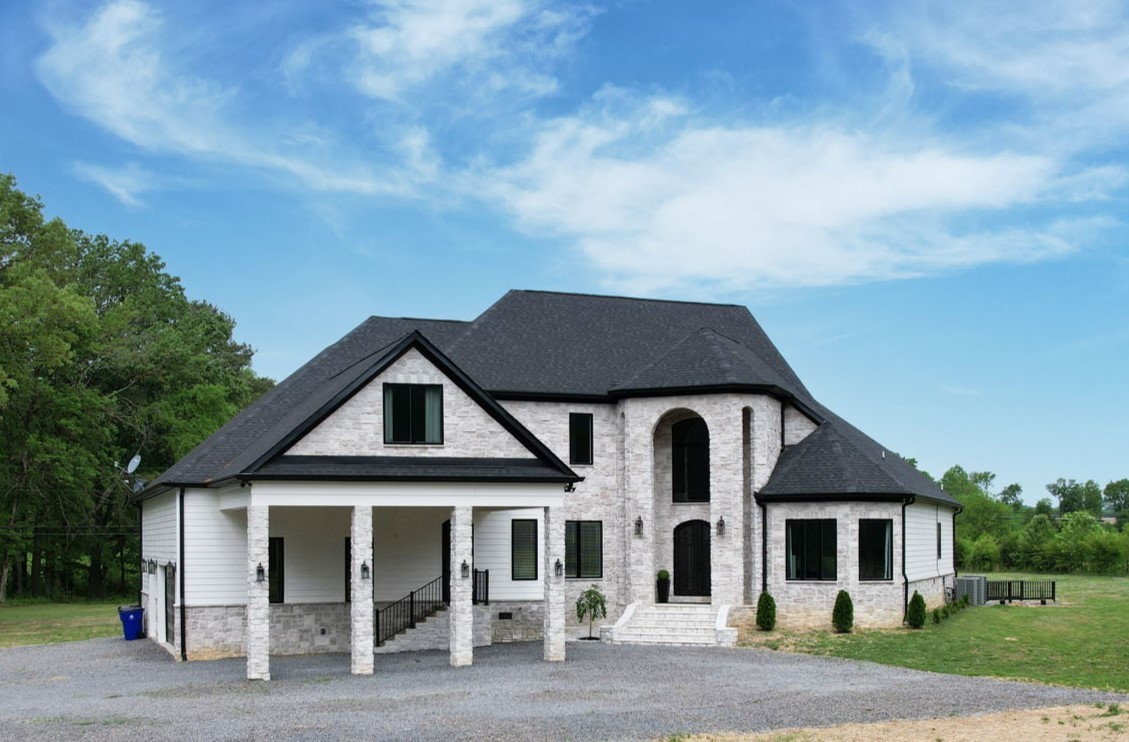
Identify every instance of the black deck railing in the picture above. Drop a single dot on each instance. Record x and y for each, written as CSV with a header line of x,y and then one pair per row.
x,y
1009,590
480,594
408,610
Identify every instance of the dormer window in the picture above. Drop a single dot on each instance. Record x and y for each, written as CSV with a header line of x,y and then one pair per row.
x,y
413,413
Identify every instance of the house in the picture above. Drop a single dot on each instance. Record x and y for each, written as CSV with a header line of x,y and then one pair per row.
x,y
465,481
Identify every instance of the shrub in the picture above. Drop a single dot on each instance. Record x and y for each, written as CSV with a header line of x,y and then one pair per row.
x,y
663,574
936,615
843,615
946,611
766,612
915,614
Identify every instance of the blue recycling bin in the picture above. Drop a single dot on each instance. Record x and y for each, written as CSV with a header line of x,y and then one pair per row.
x,y
131,620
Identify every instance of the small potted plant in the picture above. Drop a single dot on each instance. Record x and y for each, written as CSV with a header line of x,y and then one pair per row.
x,y
592,604
663,586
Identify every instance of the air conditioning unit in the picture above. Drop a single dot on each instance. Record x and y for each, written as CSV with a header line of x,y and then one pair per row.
x,y
974,586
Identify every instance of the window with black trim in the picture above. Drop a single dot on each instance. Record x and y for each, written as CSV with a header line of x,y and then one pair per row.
x,y
811,549
690,460
413,413
275,570
938,539
584,548
580,438
523,549
876,549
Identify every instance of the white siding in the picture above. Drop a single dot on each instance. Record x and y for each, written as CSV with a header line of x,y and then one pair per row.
x,y
158,528
313,552
407,548
921,541
215,546
492,551
357,427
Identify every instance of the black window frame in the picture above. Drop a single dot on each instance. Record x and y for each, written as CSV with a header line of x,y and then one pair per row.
x,y
276,569
580,439
887,548
939,540
514,525
690,461
575,537
825,532
417,429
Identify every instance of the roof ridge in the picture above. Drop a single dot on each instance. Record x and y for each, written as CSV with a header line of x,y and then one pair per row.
x,y
625,298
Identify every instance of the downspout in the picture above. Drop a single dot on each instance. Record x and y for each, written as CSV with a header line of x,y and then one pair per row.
x,y
180,571
140,551
764,546
905,575
956,512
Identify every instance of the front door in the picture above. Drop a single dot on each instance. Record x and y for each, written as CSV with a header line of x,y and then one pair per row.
x,y
692,558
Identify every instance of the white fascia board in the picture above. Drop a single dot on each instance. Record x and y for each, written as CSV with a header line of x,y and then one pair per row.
x,y
409,494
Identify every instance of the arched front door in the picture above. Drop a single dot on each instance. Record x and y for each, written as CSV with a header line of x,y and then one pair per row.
x,y
692,558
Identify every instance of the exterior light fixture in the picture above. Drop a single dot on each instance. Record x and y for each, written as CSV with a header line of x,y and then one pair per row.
x,y
170,565
465,569
260,573
365,571
152,566
721,526
559,568
639,526
570,487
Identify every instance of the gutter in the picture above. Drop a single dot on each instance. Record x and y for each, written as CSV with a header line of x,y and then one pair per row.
x,y
956,512
905,576
183,626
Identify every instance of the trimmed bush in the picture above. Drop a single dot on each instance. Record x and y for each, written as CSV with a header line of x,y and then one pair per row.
x,y
936,615
946,611
915,615
843,616
766,612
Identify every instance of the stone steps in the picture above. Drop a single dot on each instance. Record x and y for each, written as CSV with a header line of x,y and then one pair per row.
x,y
682,624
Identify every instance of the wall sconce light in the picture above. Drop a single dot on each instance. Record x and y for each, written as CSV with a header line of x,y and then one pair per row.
x,y
365,571
639,526
170,565
152,566
558,568
570,487
465,569
260,573
721,526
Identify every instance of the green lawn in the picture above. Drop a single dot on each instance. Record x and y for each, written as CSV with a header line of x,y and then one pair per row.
x,y
1081,641
49,623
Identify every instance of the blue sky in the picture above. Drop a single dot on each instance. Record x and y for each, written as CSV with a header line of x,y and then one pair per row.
x,y
923,203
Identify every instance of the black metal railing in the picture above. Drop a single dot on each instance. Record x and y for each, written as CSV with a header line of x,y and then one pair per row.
x,y
480,592
1009,590
408,610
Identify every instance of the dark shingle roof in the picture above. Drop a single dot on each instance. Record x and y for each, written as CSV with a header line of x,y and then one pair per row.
x,y
555,345
401,468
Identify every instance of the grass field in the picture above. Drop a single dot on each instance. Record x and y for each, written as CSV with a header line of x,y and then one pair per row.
x,y
1081,641
49,623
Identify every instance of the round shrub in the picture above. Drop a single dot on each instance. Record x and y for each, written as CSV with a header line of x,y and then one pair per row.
x,y
843,615
766,612
915,614
936,615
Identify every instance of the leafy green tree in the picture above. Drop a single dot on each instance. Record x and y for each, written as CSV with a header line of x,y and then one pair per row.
x,y
1116,497
1074,496
101,355
1012,496
1045,507
593,605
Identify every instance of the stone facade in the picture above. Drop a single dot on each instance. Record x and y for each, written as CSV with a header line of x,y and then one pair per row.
x,y
360,585
462,610
258,593
554,613
933,589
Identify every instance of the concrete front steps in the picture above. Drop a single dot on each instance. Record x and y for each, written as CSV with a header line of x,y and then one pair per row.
x,y
672,624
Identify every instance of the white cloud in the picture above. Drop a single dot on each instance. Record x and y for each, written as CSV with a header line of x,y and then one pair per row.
x,y
735,207
111,71
496,44
126,184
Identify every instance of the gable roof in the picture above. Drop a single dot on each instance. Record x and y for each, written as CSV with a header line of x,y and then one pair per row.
x,y
558,346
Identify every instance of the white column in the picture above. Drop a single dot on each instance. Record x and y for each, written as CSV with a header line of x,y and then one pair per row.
x,y
462,609
554,550
360,591
726,488
258,593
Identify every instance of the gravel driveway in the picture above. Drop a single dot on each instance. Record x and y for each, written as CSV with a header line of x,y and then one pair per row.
x,y
113,689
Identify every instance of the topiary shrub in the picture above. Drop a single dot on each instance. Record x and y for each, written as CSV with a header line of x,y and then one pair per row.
x,y
766,612
915,615
936,615
843,615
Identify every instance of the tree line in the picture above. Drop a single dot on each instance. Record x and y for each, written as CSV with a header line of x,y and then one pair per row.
x,y
102,356
1085,528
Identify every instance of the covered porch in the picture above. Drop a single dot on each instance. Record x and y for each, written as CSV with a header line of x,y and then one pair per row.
x,y
378,542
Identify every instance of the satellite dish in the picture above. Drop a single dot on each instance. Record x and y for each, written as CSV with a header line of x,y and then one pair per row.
x,y
131,467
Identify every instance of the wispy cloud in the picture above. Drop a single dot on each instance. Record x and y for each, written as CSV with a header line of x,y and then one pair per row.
x,y
126,183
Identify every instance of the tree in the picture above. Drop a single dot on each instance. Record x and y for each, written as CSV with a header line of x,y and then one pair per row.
x,y
101,356
1012,496
592,604
1116,497
1074,496
1045,507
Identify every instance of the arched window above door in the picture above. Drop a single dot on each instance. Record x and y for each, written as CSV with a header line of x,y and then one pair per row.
x,y
690,458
